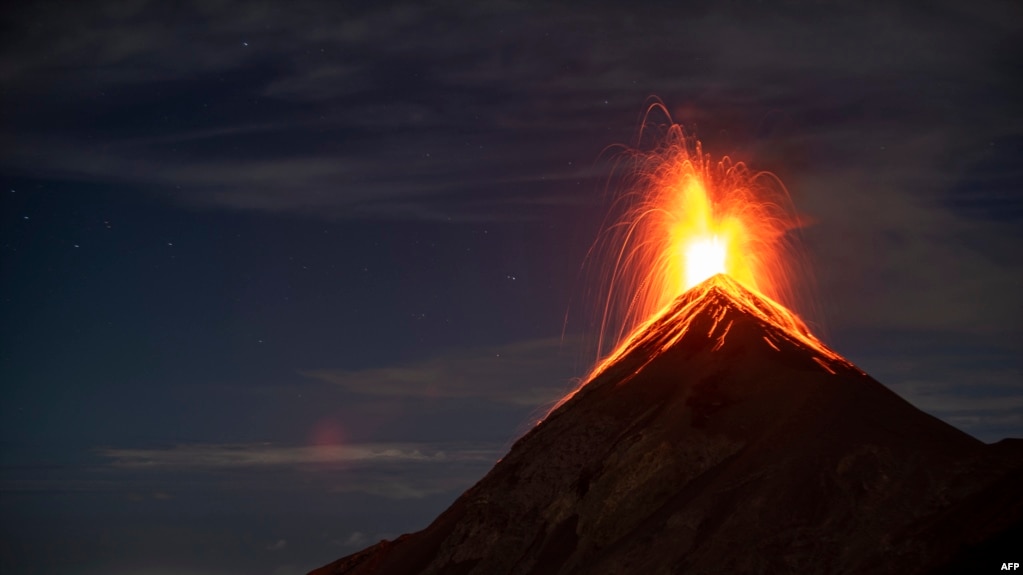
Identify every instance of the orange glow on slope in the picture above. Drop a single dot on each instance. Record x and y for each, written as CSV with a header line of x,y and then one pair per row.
x,y
685,219
715,305
714,297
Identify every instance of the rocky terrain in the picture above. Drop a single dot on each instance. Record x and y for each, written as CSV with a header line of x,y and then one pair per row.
x,y
720,442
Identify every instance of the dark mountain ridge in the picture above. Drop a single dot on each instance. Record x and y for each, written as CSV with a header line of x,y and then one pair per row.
x,y
725,438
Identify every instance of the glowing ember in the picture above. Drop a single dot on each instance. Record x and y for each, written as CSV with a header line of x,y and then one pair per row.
x,y
714,298
687,219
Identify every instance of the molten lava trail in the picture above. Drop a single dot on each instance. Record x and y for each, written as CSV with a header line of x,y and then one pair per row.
x,y
685,218
666,328
693,231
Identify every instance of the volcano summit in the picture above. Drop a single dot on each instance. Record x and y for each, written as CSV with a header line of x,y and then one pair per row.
x,y
724,437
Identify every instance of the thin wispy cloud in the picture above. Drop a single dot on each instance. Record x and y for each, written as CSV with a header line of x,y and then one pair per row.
x,y
497,99
244,455
976,389
387,470
529,373
278,545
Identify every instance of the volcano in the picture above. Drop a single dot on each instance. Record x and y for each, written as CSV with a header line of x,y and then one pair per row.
x,y
724,437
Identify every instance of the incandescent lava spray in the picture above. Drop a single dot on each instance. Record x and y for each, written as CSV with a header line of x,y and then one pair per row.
x,y
685,220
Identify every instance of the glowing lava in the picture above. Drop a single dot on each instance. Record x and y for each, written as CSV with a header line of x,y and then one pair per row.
x,y
718,298
686,219
704,258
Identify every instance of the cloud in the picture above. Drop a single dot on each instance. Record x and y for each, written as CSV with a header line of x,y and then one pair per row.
x,y
356,539
388,470
319,82
896,128
419,177
247,455
278,545
407,482
179,473
527,373
140,497
122,42
145,570
428,112
975,386
896,258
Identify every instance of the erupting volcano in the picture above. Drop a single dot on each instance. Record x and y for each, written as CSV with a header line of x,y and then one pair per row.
x,y
683,219
720,435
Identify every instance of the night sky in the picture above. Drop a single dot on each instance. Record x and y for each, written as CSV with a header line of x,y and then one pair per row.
x,y
279,280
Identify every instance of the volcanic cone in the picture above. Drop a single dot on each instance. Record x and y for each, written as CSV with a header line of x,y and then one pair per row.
x,y
724,438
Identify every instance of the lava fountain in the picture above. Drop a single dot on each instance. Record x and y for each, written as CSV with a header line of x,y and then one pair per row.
x,y
684,219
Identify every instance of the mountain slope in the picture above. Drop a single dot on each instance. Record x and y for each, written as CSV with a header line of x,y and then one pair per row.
x,y
724,437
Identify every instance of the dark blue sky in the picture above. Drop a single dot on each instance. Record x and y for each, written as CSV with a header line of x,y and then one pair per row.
x,y
279,280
